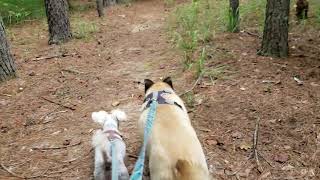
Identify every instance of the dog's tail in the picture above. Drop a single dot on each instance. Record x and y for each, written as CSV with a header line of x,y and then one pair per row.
x,y
119,115
186,170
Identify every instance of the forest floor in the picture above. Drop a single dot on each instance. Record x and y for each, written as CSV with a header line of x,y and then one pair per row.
x,y
46,126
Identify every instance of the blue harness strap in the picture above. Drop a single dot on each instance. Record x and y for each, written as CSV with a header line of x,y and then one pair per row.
x,y
114,165
138,168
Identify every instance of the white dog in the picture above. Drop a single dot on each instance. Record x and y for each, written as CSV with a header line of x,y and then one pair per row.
x,y
101,141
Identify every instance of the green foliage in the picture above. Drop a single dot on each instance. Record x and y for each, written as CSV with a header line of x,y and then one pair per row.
x,y
189,99
252,13
83,29
194,24
14,11
233,22
200,63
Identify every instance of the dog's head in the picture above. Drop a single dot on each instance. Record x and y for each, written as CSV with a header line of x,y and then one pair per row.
x,y
165,84
106,119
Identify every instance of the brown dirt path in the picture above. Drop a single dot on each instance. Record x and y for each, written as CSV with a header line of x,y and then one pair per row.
x,y
131,45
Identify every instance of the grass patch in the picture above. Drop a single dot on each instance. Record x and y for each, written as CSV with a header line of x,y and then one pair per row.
x,y
192,26
14,11
252,13
83,29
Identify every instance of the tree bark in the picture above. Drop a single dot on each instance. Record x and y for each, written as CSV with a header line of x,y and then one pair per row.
x,y
7,65
100,7
58,21
234,16
275,34
109,2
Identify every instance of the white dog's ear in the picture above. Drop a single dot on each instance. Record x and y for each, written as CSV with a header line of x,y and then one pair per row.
x,y
119,115
99,117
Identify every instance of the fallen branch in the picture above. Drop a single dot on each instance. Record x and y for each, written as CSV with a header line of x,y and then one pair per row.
x,y
194,85
58,103
53,148
53,56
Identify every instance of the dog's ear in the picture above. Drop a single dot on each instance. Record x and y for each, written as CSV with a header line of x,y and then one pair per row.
x,y
99,117
168,81
147,84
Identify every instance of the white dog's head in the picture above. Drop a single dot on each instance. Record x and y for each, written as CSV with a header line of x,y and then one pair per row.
x,y
109,120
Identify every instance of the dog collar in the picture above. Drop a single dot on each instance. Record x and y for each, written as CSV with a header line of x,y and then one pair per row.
x,y
159,97
113,134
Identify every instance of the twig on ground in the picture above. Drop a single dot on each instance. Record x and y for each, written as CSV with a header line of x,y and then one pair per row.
x,y
53,56
254,154
253,34
51,114
74,159
194,85
132,156
8,95
72,71
53,148
58,103
20,176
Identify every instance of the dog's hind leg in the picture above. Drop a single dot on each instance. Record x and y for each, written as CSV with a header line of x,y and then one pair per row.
x,y
99,165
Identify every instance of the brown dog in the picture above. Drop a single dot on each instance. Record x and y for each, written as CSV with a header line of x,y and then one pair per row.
x,y
174,150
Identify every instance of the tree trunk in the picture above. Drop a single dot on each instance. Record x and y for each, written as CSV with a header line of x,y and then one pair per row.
x,y
234,16
275,34
109,2
7,66
100,7
58,21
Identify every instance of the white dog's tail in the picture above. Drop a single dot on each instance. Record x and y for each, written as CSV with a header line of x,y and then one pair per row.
x,y
119,115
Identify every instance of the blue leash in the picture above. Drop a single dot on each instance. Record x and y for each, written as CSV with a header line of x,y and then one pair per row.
x,y
114,165
138,168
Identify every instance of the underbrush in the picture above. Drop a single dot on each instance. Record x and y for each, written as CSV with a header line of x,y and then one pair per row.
x,y
192,26
83,29
14,11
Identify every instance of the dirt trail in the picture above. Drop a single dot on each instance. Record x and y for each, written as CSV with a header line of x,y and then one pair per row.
x,y
131,45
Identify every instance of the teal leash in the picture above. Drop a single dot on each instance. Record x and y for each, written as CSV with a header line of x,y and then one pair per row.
x,y
114,164
138,168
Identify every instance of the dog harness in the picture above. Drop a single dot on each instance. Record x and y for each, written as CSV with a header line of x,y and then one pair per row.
x,y
160,99
152,100
113,135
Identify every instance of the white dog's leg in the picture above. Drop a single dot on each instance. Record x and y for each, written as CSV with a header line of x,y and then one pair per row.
x,y
121,152
99,165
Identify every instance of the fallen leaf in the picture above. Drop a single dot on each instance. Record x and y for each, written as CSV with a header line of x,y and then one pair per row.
x,y
66,142
245,146
281,158
211,142
236,135
115,103
287,167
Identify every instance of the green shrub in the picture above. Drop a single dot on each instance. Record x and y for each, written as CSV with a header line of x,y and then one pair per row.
x,y
14,11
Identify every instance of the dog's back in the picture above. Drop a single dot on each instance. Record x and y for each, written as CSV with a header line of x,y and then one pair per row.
x,y
175,153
